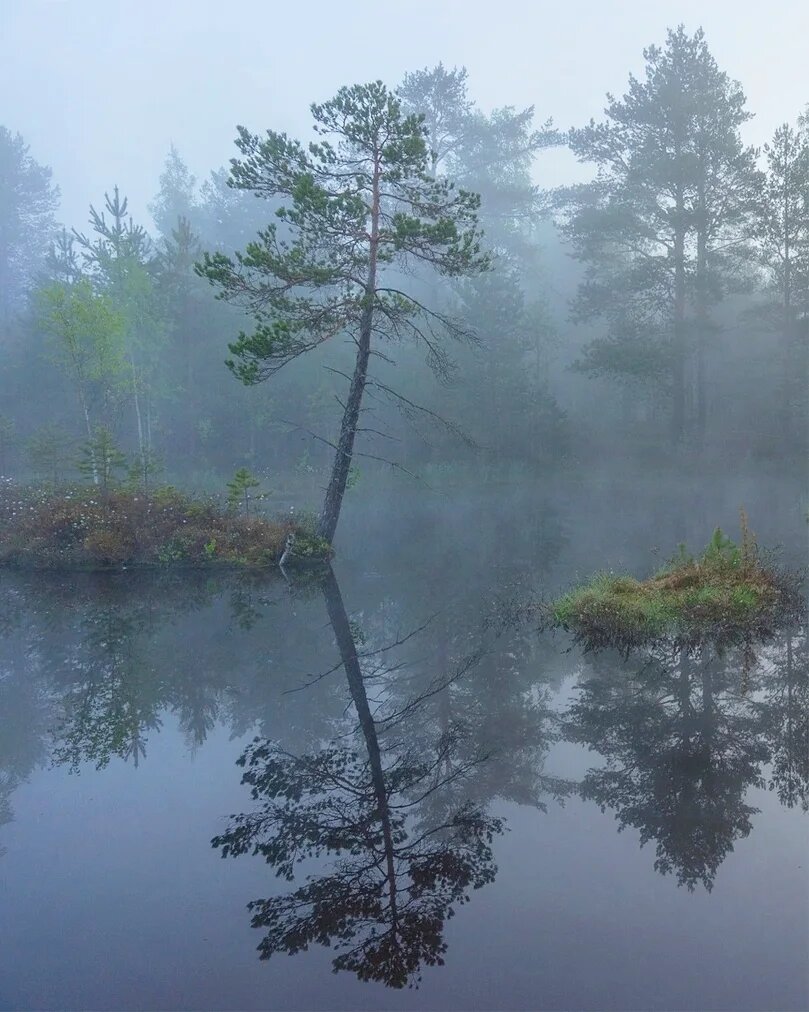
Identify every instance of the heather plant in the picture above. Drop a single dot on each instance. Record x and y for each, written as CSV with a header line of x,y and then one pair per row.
x,y
78,528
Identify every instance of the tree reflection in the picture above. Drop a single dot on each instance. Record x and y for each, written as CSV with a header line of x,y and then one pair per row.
x,y
785,712
683,740
397,872
26,704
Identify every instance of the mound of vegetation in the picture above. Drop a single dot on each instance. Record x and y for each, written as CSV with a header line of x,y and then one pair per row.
x,y
84,528
728,593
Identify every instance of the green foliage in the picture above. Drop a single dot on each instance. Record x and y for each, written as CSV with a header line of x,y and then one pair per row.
x,y
661,230
146,466
726,592
313,286
8,438
308,543
86,330
119,258
175,200
240,487
628,357
28,200
101,459
493,155
721,550
353,479
359,211
174,550
49,452
782,223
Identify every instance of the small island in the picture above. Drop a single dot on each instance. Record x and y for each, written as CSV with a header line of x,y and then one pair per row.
x,y
728,593
92,528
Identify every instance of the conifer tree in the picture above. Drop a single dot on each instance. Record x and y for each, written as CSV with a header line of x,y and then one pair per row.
x,y
355,204
782,244
28,200
663,228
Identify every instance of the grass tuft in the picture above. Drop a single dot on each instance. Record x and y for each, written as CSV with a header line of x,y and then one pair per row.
x,y
726,593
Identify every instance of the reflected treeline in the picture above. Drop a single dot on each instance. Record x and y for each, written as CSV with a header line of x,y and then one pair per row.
x,y
684,737
388,738
783,702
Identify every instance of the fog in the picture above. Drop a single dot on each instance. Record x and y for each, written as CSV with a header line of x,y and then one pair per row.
x,y
341,346
100,90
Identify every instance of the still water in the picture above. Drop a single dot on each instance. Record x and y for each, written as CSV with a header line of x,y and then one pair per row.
x,y
387,789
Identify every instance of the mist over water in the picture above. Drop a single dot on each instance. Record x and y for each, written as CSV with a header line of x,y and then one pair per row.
x,y
384,781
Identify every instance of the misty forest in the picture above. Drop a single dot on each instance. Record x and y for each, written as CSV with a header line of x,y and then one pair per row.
x,y
412,533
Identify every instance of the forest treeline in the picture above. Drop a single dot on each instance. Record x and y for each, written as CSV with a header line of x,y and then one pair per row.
x,y
660,308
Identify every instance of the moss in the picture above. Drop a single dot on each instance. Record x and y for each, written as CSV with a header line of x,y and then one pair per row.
x,y
77,528
728,592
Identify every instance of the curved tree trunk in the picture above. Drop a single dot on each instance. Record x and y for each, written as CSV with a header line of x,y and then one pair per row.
x,y
333,502
330,513
351,665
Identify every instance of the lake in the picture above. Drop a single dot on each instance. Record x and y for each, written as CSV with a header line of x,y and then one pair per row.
x,y
426,801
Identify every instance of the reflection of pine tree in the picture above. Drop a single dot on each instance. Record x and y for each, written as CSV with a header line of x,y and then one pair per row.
x,y
396,877
681,745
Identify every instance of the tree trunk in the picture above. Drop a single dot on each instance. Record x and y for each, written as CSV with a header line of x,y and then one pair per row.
x,y
701,314
678,358
333,502
136,399
788,329
348,431
338,618
89,428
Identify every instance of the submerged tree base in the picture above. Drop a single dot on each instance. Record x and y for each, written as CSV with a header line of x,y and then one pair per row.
x,y
81,528
727,594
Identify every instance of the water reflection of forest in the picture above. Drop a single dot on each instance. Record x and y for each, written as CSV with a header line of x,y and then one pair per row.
x,y
384,738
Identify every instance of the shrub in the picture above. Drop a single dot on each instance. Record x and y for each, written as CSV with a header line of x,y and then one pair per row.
x,y
78,527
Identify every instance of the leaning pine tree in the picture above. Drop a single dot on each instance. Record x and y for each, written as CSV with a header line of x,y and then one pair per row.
x,y
354,206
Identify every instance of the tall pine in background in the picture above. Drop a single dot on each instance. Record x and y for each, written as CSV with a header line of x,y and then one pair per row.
x,y
664,228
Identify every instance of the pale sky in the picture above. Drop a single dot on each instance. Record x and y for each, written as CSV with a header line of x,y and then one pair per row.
x,y
100,88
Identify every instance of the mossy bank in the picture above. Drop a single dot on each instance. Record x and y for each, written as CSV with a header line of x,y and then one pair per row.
x,y
727,593
80,528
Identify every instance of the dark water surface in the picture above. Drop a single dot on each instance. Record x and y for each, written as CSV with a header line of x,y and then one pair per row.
x,y
436,794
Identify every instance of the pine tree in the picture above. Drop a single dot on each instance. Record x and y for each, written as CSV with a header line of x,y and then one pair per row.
x,y
100,460
781,233
48,451
28,200
662,229
356,203
176,197
240,487
494,156
120,258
